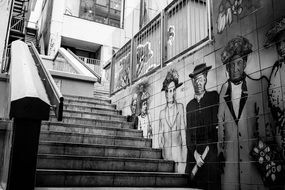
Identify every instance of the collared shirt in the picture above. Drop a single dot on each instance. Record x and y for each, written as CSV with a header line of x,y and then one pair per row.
x,y
236,95
198,97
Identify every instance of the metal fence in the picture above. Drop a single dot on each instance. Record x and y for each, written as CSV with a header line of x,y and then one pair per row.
x,y
121,67
178,29
18,24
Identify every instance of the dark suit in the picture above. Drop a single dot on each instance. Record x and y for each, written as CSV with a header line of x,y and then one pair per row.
x,y
201,131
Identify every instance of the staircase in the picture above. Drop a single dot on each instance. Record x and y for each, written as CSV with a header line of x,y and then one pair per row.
x,y
95,146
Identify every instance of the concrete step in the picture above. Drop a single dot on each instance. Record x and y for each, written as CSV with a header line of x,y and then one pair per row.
x,y
114,188
83,178
89,99
89,104
89,129
91,109
63,162
63,148
88,115
94,139
94,122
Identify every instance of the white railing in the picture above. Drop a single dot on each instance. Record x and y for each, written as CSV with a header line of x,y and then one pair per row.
x,y
94,64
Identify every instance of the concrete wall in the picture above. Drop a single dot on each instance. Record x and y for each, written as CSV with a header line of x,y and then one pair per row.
x,y
5,7
233,161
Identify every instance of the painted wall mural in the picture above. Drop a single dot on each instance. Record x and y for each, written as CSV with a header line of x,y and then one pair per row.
x,y
201,133
230,9
172,120
171,35
122,76
139,109
221,110
144,54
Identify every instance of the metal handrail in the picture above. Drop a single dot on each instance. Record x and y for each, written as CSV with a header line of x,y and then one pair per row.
x,y
55,96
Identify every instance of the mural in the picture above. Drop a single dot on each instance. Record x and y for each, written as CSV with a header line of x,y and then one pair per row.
x,y
144,53
122,76
139,109
172,120
234,118
228,9
171,35
201,133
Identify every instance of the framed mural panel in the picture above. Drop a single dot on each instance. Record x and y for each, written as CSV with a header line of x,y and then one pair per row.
x,y
121,67
147,49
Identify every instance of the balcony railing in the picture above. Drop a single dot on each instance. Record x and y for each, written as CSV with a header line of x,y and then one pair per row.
x,y
180,28
18,24
94,64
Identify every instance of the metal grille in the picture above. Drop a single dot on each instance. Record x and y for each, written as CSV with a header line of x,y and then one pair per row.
x,y
186,25
122,64
147,43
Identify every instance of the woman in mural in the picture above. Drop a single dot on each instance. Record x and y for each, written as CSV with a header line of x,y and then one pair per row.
x,y
171,121
144,119
242,121
276,35
133,107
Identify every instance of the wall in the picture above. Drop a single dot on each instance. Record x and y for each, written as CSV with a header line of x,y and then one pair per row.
x,y
239,118
5,7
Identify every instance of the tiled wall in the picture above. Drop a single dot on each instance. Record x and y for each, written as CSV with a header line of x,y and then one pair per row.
x,y
240,120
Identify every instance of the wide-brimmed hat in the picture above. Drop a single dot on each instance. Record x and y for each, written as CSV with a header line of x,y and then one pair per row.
x,y
200,69
276,29
238,46
172,76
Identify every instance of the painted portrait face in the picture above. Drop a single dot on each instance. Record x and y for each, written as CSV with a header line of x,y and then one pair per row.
x,y
144,107
281,44
199,83
170,93
134,106
236,68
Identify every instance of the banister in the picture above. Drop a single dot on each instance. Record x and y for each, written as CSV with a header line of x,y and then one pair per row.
x,y
55,96
82,62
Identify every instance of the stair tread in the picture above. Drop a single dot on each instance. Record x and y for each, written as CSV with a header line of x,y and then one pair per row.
x,y
92,98
114,188
105,158
115,172
89,126
91,113
100,120
92,107
99,145
97,135
104,102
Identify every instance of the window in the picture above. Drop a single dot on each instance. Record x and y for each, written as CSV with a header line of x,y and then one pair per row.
x,y
103,11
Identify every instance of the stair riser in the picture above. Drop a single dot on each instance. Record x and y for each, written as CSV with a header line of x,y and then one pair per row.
x,y
93,100
121,180
94,116
94,130
90,109
96,123
104,165
98,151
88,139
90,104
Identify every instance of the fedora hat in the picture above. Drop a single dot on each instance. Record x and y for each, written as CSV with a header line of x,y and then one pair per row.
x,y
199,69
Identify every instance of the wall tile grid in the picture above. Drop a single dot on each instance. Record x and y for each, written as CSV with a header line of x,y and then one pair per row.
x,y
236,158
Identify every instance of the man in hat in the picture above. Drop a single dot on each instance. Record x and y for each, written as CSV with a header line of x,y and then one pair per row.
x,y
172,123
244,118
201,132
